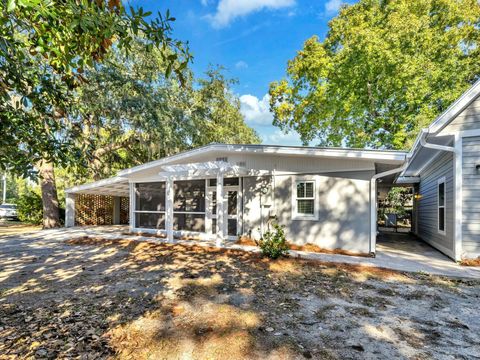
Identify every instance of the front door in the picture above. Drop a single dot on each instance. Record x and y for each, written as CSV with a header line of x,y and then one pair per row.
x,y
231,213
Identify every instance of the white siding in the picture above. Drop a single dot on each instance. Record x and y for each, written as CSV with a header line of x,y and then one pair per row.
x,y
427,205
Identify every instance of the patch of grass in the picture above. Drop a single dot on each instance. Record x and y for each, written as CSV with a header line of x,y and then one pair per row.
x,y
322,312
360,311
416,295
387,292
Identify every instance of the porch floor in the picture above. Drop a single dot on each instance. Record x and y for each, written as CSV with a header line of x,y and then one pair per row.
x,y
395,251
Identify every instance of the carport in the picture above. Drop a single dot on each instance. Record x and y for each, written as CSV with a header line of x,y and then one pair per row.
x,y
104,202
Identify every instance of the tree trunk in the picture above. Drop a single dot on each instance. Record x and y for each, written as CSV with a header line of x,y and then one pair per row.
x,y
51,214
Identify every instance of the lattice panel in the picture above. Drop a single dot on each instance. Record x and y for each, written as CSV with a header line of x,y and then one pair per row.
x,y
124,210
93,209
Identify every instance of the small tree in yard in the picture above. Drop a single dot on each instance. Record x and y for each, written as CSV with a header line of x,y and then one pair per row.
x,y
30,207
273,243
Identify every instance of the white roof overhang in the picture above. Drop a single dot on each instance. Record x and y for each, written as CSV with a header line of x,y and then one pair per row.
x,y
420,156
115,186
209,168
389,156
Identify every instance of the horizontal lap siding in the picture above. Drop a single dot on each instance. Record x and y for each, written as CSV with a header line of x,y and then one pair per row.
x,y
428,204
471,196
468,119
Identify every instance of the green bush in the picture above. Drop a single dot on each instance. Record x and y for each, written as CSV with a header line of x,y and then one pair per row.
x,y
273,242
29,208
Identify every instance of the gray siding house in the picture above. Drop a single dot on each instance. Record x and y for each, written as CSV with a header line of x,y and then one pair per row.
x,y
323,196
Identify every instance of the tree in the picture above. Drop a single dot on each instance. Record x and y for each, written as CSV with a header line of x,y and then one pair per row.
x,y
385,69
45,47
130,113
216,113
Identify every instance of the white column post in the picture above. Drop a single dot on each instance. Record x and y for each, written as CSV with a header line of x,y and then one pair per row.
x,y
169,210
220,210
373,214
131,206
69,210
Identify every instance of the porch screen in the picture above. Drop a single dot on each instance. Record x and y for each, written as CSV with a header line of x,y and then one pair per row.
x,y
189,205
150,205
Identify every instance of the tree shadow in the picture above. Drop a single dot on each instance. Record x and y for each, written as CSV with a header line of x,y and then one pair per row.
x,y
129,299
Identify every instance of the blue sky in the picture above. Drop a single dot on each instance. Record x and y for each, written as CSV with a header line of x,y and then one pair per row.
x,y
253,40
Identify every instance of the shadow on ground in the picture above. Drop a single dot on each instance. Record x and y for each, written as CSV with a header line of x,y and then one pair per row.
x,y
97,298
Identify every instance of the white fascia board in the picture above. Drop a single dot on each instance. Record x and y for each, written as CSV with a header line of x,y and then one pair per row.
x,y
388,155
453,110
97,184
447,116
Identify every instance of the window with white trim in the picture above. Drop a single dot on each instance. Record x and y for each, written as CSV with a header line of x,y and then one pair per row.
x,y
305,199
441,205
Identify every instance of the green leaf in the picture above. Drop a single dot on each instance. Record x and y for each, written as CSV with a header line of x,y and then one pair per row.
x,y
11,4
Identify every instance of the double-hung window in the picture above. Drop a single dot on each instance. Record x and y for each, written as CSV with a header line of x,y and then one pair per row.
x,y
305,199
441,205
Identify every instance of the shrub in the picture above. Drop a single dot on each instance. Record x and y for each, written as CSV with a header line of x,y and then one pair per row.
x,y
273,242
30,208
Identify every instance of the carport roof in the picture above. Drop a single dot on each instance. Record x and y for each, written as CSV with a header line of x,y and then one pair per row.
x,y
114,186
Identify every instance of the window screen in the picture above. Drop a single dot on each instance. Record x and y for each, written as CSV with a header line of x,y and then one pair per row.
x,y
150,196
189,196
150,220
189,222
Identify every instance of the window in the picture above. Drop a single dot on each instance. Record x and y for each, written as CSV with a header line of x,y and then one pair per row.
x,y
226,182
189,205
150,205
441,206
305,199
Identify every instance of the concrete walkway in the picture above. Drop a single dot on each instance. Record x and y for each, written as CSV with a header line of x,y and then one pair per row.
x,y
394,251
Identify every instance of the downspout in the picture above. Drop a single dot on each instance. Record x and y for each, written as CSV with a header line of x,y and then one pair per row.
x,y
373,203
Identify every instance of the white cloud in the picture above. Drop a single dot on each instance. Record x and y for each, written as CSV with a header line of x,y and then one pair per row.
x,y
278,137
241,65
256,111
333,6
228,10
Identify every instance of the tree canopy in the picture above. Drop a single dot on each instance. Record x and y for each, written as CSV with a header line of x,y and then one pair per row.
x,y
129,112
45,47
385,69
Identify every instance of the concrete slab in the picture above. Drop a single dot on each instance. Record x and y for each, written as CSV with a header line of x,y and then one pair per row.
x,y
401,252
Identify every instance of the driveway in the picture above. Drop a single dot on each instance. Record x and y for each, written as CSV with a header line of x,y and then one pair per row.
x,y
65,296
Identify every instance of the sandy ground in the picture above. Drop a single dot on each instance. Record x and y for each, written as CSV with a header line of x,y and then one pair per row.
x,y
92,298
8,227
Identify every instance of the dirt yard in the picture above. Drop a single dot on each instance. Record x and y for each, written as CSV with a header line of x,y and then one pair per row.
x,y
92,298
8,227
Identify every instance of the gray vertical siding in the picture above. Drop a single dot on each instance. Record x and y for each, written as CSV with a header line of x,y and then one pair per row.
x,y
427,205
471,197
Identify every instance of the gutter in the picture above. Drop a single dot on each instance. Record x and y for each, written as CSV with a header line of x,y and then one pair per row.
x,y
424,143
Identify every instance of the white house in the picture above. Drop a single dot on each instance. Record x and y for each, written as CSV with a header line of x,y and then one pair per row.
x,y
323,196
